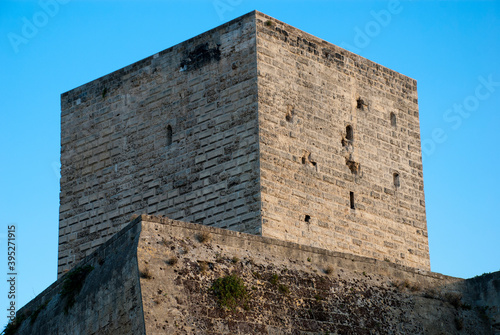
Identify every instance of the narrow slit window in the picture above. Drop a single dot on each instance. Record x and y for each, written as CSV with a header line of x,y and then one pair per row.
x,y
169,135
349,133
396,180
351,199
393,119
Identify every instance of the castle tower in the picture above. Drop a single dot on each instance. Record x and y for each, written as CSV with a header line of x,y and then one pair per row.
x,y
253,126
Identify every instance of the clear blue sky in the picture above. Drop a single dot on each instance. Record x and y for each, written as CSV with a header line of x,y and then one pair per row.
x,y
451,48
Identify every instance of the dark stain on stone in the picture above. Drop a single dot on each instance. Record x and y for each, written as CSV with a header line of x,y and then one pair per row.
x,y
352,165
200,56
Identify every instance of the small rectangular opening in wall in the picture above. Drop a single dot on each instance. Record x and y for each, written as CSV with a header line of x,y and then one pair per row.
x,y
396,180
351,198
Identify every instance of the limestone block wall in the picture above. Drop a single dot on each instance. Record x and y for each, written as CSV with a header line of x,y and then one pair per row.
x,y
173,134
340,153
254,126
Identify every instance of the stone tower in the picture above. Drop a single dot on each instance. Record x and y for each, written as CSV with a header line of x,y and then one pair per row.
x,y
253,126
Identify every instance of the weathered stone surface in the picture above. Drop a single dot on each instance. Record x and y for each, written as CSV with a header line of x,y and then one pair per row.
x,y
109,301
119,158
245,127
293,289
310,92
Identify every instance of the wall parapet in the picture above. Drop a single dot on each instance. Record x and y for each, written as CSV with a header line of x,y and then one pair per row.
x,y
155,276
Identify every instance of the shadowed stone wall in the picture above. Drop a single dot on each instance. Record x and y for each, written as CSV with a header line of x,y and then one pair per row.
x,y
173,134
484,292
108,302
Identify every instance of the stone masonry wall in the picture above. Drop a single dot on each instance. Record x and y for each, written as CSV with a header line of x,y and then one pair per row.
x,y
293,289
484,292
251,116
310,92
109,301
156,277
173,134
